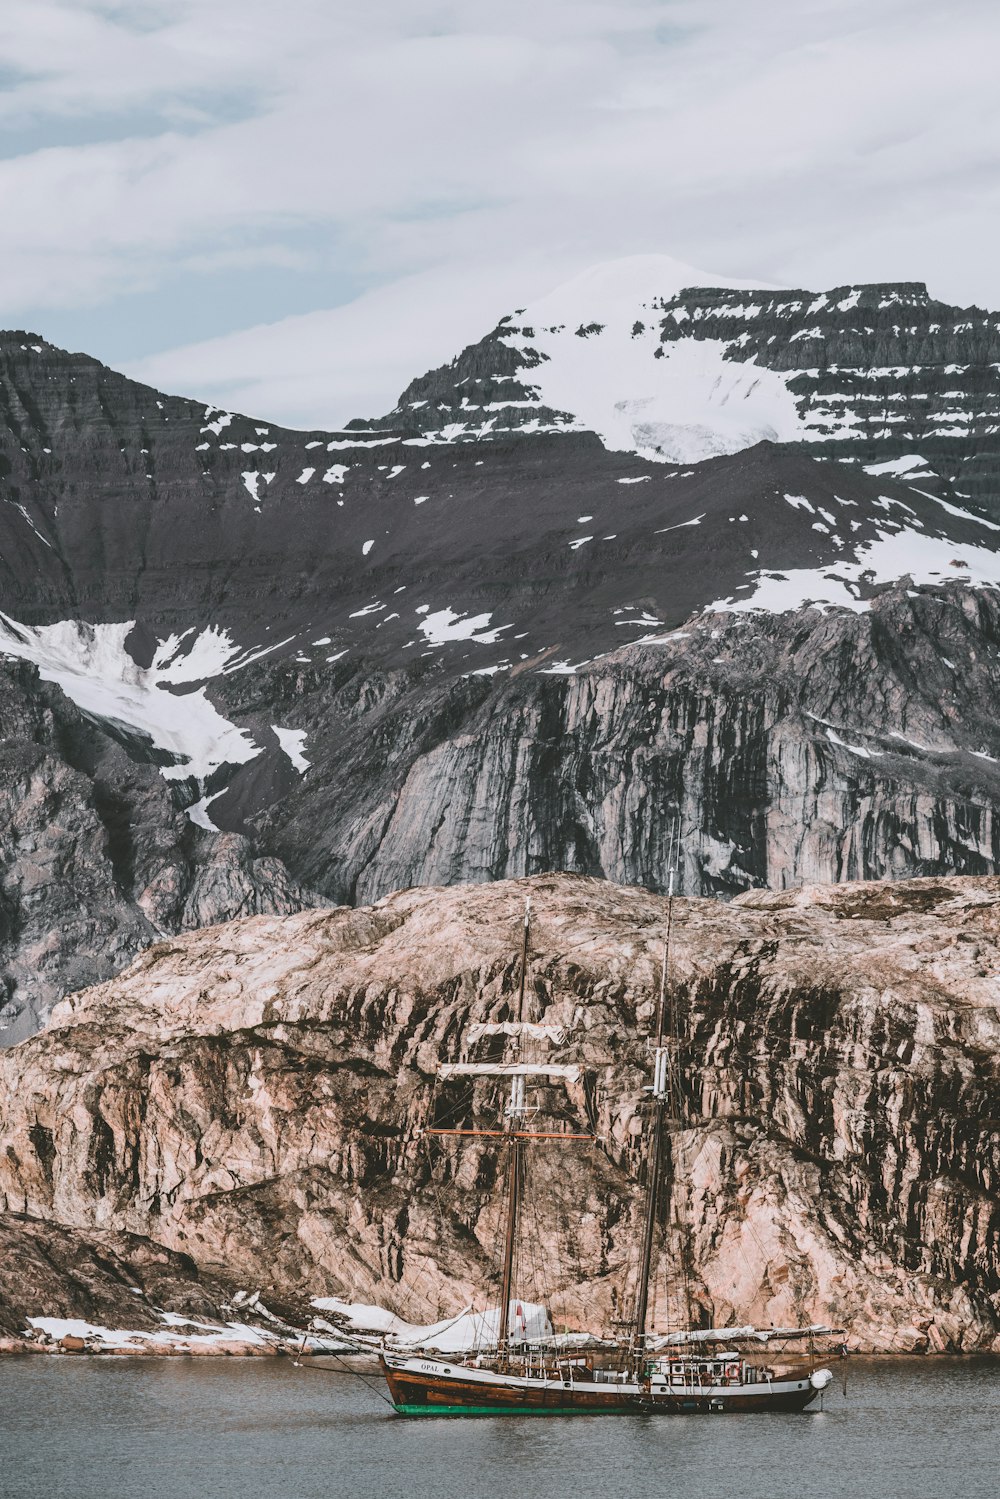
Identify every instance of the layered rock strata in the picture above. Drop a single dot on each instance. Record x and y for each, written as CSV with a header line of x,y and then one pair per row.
x,y
380,658
871,373
255,1098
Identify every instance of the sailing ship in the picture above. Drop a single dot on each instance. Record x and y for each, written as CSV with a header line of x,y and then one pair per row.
x,y
686,1370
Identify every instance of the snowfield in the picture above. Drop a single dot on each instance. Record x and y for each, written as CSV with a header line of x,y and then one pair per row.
x,y
95,670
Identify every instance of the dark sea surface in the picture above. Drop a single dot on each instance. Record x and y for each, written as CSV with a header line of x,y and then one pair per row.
x,y
118,1428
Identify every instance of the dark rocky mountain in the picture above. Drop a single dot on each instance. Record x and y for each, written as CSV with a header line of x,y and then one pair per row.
x,y
667,572
799,746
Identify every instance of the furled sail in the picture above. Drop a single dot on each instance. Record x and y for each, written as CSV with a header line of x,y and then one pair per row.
x,y
569,1073
737,1334
521,1028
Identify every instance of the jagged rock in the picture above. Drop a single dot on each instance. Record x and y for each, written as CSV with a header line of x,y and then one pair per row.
x,y
112,1279
254,1097
231,882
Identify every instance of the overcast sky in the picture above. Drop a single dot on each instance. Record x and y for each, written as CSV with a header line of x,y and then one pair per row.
x,y
293,206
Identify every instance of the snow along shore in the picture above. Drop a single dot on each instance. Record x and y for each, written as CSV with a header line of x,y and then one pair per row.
x,y
356,1329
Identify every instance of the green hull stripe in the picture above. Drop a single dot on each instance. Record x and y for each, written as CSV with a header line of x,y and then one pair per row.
x,y
495,1410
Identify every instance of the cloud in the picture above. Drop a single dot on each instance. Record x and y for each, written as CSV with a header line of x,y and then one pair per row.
x,y
439,150
319,369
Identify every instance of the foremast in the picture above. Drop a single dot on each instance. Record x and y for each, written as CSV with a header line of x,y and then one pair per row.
x,y
513,1132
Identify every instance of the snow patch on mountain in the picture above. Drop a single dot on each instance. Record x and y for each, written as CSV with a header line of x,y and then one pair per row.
x,y
690,404
909,463
843,584
663,360
604,364
445,625
93,667
966,515
293,743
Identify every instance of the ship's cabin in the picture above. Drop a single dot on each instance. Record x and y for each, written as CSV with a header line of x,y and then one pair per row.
x,y
725,1367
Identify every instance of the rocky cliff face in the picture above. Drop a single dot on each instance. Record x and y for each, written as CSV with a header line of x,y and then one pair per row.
x,y
254,1098
884,371
793,748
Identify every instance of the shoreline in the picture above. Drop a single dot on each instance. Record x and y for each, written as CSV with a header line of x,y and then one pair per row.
x,y
74,1347
352,1339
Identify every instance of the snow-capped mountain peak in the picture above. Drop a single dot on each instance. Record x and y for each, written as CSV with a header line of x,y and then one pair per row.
x,y
594,351
615,292
359,650
664,361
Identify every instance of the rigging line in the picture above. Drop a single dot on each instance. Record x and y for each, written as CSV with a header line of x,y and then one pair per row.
x,y
376,1389
514,1114
413,1286
678,1100
492,1274
359,1350
430,1187
491,1256
534,1250
542,1267
436,1195
627,931
523,977
533,1245
460,1106
425,1144
714,1175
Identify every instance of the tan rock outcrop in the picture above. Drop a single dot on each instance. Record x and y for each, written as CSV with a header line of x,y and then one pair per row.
x,y
254,1095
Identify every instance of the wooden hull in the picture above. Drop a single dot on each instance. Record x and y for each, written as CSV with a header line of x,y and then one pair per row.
x,y
424,1387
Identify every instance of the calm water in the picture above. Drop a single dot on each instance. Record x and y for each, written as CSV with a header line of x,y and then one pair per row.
x,y
114,1428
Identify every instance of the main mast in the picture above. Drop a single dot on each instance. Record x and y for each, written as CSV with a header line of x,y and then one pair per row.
x,y
664,1097
515,1113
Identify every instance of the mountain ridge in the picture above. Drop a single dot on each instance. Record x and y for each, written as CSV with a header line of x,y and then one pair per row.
x,y
833,369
